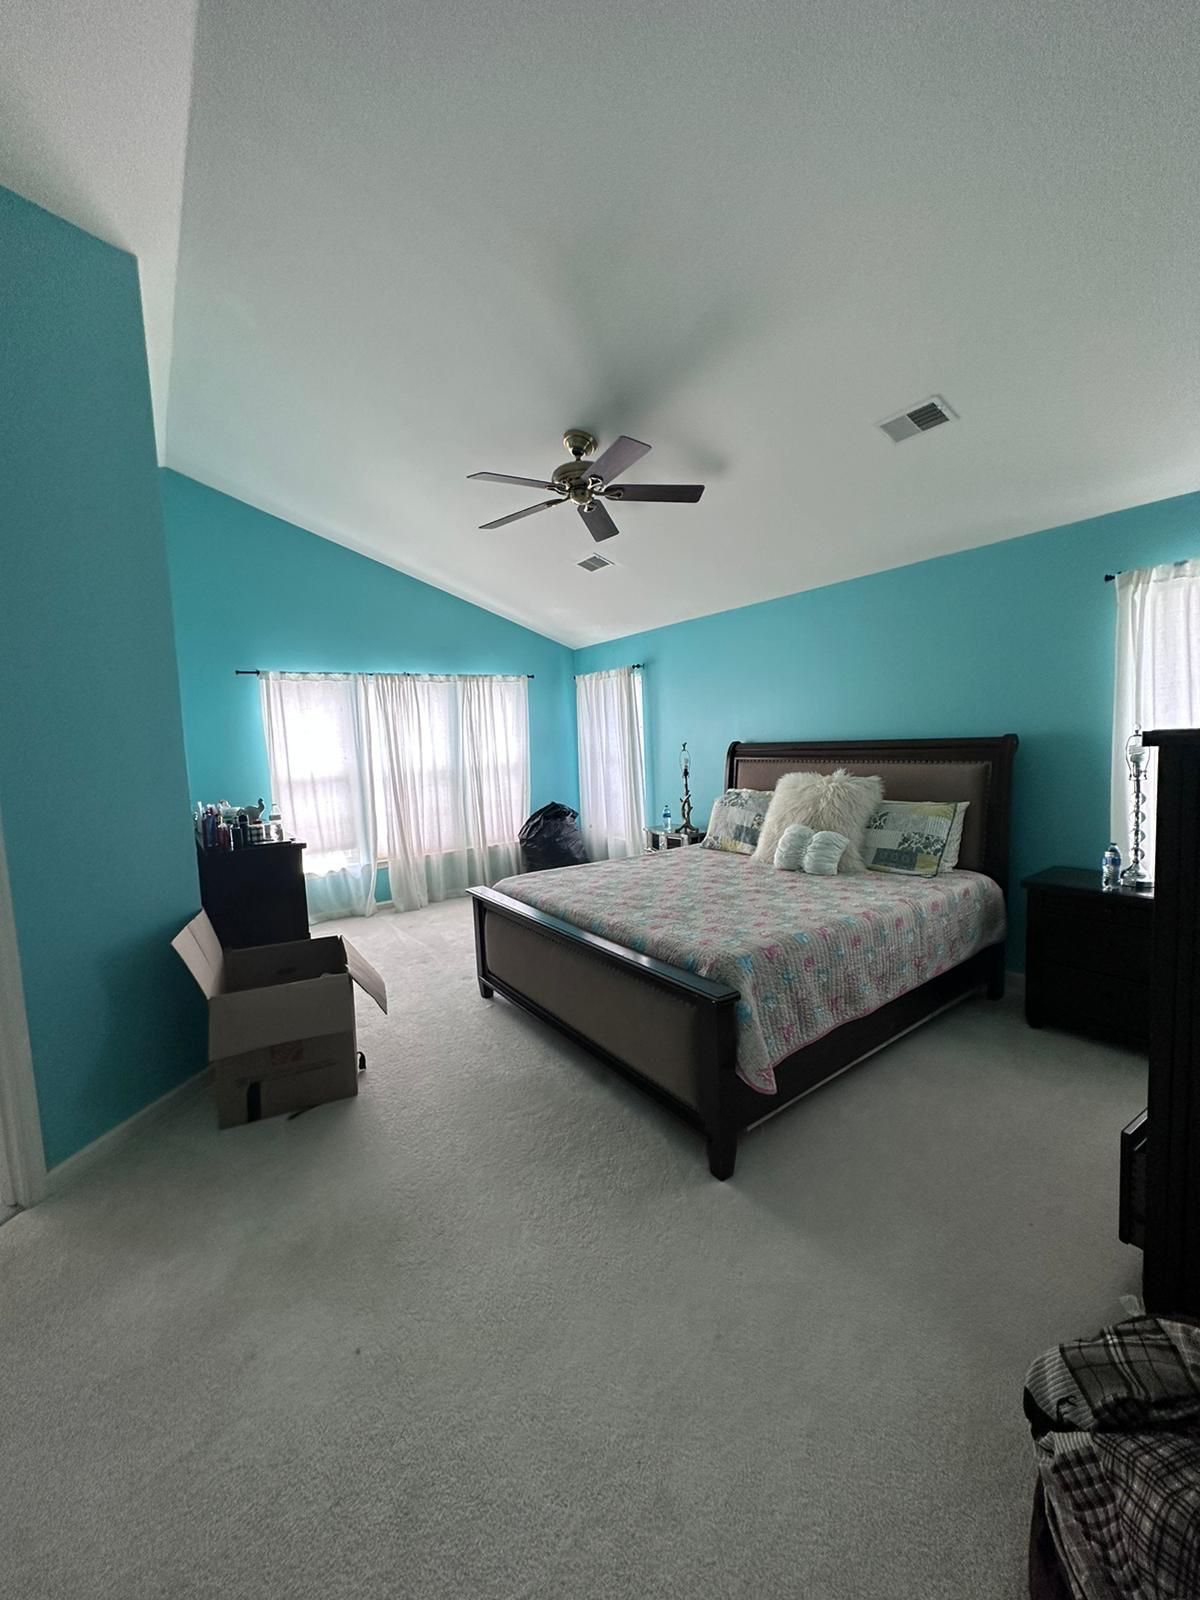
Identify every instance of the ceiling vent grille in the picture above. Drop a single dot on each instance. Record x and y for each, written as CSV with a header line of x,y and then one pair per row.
x,y
930,413
594,563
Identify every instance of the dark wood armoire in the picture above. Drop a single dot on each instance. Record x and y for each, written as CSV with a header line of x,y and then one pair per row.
x,y
1171,1268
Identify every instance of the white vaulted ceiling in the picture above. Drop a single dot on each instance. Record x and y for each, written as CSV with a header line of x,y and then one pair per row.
x,y
93,125
421,240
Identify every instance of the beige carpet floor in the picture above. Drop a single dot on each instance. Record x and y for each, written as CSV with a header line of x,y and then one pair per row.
x,y
490,1330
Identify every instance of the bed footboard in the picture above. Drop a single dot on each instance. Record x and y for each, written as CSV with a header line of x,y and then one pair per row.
x,y
672,1032
669,1030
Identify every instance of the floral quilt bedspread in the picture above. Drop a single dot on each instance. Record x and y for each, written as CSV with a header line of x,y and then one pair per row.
x,y
805,953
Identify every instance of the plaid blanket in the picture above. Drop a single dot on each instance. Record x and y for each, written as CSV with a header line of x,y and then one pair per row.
x,y
1116,1420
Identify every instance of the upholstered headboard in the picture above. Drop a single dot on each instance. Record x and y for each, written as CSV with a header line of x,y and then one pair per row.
x,y
977,770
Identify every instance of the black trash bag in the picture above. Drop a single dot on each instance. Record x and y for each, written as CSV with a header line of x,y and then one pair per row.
x,y
551,838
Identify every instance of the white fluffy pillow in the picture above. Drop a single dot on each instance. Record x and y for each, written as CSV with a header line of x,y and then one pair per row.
x,y
826,802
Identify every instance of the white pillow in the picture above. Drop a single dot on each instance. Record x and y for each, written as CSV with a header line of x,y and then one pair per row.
x,y
802,850
824,853
833,802
789,852
954,842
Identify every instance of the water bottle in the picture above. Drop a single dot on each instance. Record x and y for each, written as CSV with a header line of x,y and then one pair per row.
x,y
666,819
1110,870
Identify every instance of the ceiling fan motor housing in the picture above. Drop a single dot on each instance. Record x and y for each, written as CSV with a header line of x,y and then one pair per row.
x,y
574,479
579,442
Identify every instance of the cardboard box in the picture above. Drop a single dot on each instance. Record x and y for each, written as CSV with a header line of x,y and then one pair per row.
x,y
281,1033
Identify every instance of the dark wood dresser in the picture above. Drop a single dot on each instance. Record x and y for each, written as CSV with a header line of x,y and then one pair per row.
x,y
1171,1270
256,895
1087,956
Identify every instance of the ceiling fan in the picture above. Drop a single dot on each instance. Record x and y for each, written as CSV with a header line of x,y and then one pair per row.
x,y
587,483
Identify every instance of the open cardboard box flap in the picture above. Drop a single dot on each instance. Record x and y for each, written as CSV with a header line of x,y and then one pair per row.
x,y
365,976
200,951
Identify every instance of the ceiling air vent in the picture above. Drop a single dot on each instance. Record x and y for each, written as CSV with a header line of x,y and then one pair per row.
x,y
930,413
594,563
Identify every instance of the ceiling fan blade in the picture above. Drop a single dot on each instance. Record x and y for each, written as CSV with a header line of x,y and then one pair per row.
x,y
542,505
618,458
503,477
686,492
597,521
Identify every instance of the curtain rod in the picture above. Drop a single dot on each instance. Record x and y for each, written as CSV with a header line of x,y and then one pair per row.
x,y
634,666
257,672
1109,576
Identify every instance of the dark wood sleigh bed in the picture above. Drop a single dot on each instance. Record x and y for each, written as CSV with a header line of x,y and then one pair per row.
x,y
672,1032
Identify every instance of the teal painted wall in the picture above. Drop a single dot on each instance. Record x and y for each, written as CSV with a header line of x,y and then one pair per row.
x,y
252,591
1010,638
92,781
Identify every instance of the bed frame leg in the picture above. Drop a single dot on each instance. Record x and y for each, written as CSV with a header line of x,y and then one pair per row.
x,y
715,1081
995,983
485,988
722,1153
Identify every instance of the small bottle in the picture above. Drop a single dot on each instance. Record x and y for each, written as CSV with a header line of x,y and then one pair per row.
x,y
666,819
1110,871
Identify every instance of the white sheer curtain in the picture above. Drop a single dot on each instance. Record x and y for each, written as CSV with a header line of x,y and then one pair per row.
x,y
1158,674
612,763
452,782
428,774
319,747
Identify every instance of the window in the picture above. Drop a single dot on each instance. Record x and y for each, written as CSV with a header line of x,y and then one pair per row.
x,y
428,775
1157,674
612,770
315,737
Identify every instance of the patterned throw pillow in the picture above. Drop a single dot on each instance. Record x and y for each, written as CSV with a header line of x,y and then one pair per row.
x,y
736,820
918,838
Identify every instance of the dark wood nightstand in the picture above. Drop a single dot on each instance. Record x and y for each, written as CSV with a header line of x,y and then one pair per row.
x,y
1087,956
669,839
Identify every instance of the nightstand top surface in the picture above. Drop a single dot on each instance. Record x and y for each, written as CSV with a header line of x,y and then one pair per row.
x,y
1084,880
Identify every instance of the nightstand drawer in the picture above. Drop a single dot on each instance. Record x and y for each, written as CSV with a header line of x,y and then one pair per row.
x,y
1110,1007
1116,944
1088,956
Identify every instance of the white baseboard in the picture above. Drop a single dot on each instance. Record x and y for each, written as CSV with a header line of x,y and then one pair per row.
x,y
66,1172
